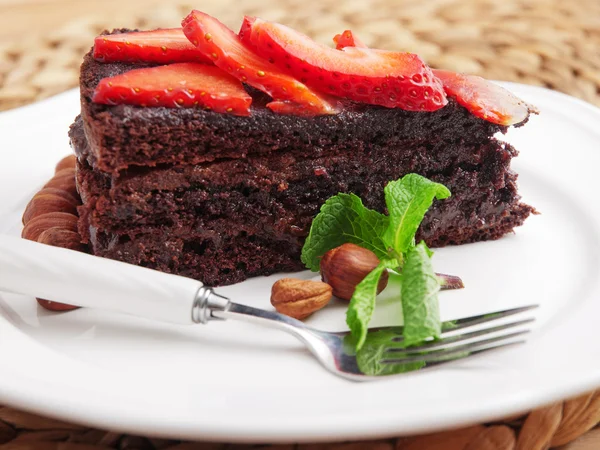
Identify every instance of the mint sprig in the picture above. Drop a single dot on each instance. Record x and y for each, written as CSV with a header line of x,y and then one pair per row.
x,y
407,200
375,350
362,302
344,218
420,287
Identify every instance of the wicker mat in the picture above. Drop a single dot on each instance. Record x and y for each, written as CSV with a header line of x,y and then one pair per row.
x,y
550,43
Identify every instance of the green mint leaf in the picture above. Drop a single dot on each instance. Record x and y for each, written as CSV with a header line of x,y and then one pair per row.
x,y
362,303
343,218
419,291
374,359
407,200
372,354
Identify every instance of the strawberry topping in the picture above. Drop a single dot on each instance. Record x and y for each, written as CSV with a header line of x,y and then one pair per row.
x,y
483,98
229,53
246,29
392,79
346,39
301,76
162,46
174,86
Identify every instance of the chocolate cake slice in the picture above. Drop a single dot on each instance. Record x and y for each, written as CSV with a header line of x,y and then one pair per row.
x,y
126,135
222,197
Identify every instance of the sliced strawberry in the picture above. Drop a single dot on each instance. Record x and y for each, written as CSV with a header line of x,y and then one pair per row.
x,y
290,108
228,52
346,39
162,46
483,98
246,29
378,77
174,86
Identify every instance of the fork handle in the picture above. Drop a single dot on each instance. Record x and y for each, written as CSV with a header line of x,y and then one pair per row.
x,y
80,279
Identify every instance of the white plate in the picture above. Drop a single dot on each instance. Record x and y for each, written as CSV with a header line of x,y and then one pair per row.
x,y
236,382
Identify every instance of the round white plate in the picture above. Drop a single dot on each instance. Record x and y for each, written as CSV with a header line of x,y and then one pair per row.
x,y
237,382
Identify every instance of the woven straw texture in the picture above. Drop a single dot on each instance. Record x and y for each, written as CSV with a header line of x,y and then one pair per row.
x,y
563,425
550,43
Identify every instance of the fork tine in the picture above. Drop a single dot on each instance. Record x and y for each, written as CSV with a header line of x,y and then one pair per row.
x,y
476,352
458,338
452,325
483,318
455,352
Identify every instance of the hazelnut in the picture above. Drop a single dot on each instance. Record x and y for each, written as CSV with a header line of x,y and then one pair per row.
x,y
51,218
64,179
60,237
55,306
68,162
347,265
43,222
43,203
299,298
75,200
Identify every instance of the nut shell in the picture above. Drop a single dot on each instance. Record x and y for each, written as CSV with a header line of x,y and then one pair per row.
x,y
51,217
55,306
344,267
61,193
64,179
60,237
36,226
47,203
68,162
299,298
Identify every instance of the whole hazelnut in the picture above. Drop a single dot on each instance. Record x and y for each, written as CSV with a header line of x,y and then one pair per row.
x,y
43,222
299,298
63,238
47,203
347,265
68,162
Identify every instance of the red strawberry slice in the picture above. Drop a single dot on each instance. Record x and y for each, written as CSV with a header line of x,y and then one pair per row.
x,y
483,98
246,29
229,53
176,85
289,108
346,39
379,77
162,46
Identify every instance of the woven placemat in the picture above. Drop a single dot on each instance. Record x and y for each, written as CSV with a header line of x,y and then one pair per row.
x,y
549,43
564,425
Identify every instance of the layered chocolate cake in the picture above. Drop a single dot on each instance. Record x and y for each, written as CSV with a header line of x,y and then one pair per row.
x,y
221,197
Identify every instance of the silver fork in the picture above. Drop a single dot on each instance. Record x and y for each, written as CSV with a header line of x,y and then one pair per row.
x,y
80,279
383,353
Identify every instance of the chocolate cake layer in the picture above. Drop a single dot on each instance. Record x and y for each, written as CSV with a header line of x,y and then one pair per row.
x,y
163,216
123,135
216,260
222,198
238,236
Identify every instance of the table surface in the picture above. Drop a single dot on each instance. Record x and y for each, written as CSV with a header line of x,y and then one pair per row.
x,y
544,42
45,16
